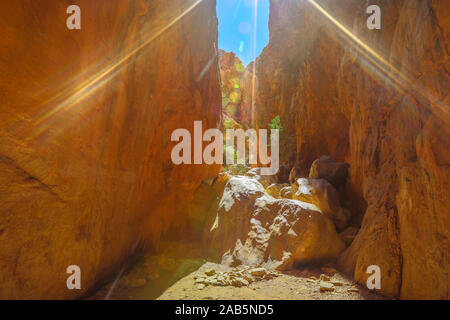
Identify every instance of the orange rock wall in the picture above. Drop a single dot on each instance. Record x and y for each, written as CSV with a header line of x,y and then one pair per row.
x,y
85,123
233,75
377,99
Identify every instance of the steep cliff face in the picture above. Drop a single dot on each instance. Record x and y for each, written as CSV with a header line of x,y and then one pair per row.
x,y
377,99
233,76
86,118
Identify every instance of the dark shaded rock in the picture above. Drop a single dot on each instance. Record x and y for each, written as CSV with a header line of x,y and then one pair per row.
x,y
329,169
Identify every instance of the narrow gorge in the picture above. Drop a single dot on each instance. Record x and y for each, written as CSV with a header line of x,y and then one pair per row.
x,y
86,119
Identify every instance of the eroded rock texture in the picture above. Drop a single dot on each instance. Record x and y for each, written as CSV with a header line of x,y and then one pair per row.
x,y
254,229
85,124
231,74
377,99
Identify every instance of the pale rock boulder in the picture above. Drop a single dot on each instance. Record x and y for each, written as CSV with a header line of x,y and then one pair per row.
x,y
280,191
287,192
331,170
323,195
255,229
265,180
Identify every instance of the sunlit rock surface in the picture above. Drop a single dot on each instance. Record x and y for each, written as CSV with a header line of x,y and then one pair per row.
x,y
253,229
85,124
383,107
231,75
324,196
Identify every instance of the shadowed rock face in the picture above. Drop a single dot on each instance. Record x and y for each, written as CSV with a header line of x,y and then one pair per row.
x,y
392,127
85,124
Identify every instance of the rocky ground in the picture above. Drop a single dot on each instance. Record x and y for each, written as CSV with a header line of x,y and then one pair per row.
x,y
181,274
218,282
294,285
264,231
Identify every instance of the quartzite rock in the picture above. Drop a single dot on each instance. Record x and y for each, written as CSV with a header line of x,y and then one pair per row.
x,y
85,133
254,229
386,114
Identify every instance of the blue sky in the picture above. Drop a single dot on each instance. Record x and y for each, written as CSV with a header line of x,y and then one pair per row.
x,y
236,27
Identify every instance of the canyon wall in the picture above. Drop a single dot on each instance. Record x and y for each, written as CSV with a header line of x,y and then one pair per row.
x,y
231,72
86,118
377,99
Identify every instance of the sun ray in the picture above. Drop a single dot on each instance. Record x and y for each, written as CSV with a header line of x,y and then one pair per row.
x,y
71,97
402,82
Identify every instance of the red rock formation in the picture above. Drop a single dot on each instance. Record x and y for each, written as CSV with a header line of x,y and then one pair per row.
x,y
254,229
377,99
233,75
85,123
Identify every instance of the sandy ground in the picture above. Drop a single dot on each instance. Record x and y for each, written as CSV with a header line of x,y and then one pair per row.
x,y
172,276
296,285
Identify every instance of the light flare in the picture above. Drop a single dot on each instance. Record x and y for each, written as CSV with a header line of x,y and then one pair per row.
x,y
377,64
71,97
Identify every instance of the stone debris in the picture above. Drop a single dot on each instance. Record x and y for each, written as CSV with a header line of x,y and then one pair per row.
x,y
268,232
324,277
236,277
258,272
326,286
210,272
329,271
337,283
324,196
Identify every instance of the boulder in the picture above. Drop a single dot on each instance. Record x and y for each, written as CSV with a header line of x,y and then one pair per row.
x,y
296,173
275,188
258,272
266,181
326,286
280,191
254,229
234,169
329,169
287,192
324,196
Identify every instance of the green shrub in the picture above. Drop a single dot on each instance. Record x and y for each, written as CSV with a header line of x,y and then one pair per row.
x,y
276,123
